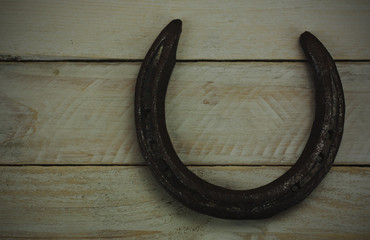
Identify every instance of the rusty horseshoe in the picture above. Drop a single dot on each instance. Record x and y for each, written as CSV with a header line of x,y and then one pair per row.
x,y
262,202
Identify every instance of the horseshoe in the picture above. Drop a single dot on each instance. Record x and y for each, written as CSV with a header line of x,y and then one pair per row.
x,y
262,202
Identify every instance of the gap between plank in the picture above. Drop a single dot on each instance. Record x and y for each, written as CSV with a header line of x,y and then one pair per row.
x,y
189,165
17,59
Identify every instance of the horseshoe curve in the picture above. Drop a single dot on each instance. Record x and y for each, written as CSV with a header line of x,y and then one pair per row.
x,y
262,202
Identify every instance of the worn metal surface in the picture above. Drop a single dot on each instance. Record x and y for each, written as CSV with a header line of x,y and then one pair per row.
x,y
262,202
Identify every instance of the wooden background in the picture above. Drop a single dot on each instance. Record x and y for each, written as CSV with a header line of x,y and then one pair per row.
x,y
239,109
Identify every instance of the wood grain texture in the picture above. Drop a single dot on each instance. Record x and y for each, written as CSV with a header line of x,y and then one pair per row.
x,y
219,29
126,202
217,113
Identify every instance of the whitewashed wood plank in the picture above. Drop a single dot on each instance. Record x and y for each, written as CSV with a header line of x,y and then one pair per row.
x,y
217,113
126,202
212,29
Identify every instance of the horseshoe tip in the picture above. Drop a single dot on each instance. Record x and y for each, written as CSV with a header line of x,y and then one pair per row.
x,y
306,33
306,36
176,21
175,24
307,39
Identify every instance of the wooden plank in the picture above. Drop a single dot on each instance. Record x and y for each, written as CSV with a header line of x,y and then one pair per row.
x,y
126,202
217,113
212,29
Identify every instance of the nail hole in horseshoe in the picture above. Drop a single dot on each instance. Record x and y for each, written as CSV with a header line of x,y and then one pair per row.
x,y
147,112
151,141
164,167
330,134
168,173
320,157
296,187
